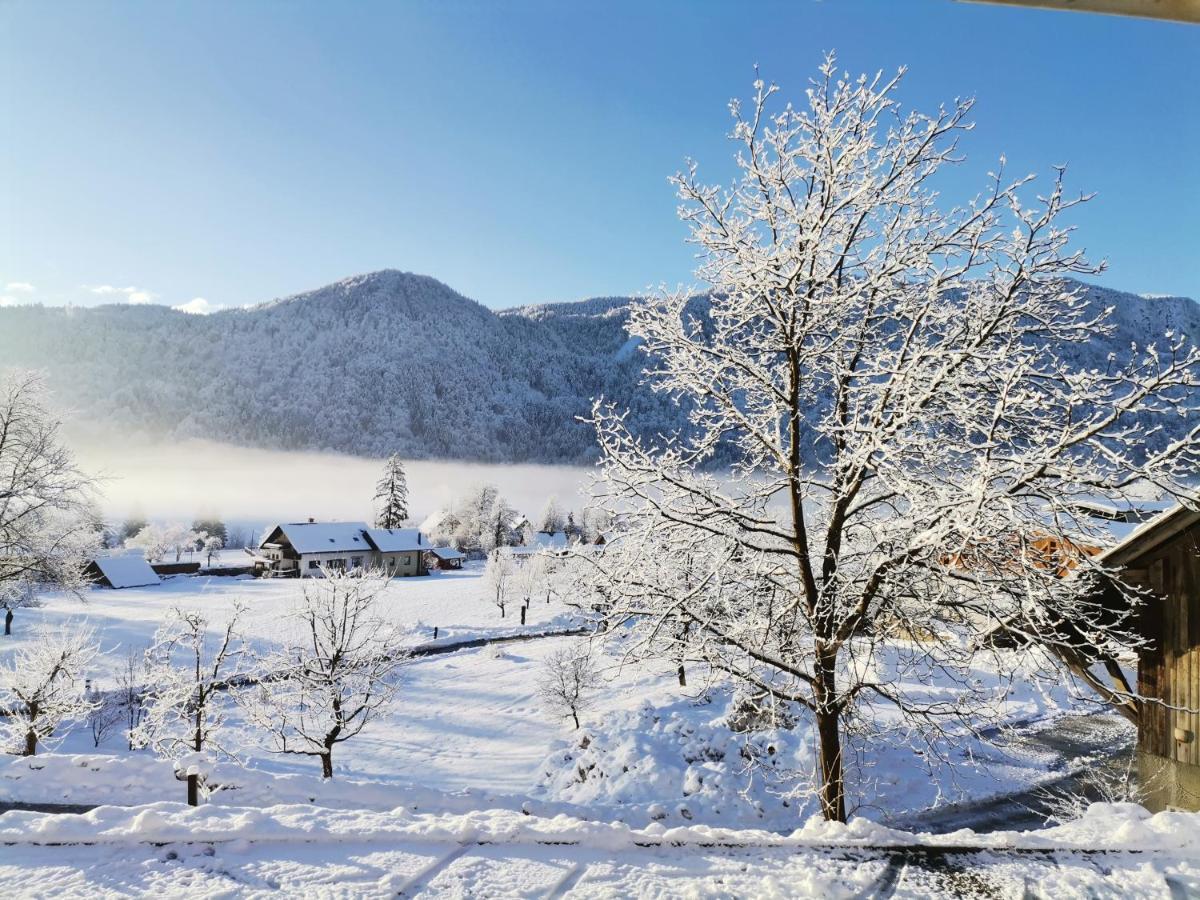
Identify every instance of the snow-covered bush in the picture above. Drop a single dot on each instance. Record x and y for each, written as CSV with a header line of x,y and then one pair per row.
x,y
42,685
682,762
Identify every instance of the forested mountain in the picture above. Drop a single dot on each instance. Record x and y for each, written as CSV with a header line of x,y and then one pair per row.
x,y
391,361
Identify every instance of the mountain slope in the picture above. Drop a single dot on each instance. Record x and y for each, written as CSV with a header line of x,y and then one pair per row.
x,y
391,361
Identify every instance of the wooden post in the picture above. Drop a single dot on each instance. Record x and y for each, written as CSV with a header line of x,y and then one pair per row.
x,y
523,608
435,631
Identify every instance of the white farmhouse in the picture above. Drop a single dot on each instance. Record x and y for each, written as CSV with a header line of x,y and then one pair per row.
x,y
306,548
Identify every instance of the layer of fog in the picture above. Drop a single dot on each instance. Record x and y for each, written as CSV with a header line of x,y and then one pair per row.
x,y
186,479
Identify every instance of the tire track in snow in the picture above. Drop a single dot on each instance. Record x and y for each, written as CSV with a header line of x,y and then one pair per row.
x,y
431,871
567,882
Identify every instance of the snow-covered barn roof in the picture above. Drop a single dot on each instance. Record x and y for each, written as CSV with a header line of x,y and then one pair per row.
x,y
396,540
1150,534
325,537
126,570
447,553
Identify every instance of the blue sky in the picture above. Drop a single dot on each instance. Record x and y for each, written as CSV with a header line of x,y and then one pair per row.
x,y
519,151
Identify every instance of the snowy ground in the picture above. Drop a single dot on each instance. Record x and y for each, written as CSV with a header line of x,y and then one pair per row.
x,y
169,850
469,738
468,729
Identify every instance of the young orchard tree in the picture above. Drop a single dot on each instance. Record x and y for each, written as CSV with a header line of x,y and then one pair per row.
x,y
187,668
337,672
42,685
889,376
391,493
47,533
213,545
108,711
500,579
569,681
130,692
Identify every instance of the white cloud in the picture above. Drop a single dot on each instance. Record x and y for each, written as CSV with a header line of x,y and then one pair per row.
x,y
198,307
19,287
131,294
6,300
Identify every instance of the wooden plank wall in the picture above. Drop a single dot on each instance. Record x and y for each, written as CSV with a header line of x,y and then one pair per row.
x,y
1170,669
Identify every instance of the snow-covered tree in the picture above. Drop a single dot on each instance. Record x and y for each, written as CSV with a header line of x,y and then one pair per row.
x,y
159,541
551,520
131,692
569,681
213,545
476,523
336,673
47,533
42,685
212,527
500,579
106,714
391,494
907,440
188,667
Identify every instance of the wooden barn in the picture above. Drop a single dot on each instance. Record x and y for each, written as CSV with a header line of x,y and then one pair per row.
x,y
1163,556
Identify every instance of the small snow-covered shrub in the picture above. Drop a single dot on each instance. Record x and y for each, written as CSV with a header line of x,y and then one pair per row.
x,y
683,762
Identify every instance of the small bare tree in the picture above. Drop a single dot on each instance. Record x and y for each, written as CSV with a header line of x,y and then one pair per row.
x,y
107,713
187,668
499,578
569,680
42,685
131,693
336,673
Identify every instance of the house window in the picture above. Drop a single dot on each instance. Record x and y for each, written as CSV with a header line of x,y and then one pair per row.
x,y
336,564
356,562
313,564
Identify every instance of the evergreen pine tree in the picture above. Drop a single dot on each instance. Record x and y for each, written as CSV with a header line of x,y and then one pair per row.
x,y
392,494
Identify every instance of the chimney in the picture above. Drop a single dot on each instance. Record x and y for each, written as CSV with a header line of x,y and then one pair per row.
x,y
311,520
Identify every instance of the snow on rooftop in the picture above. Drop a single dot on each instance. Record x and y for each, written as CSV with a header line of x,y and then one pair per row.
x,y
448,553
326,537
396,540
127,570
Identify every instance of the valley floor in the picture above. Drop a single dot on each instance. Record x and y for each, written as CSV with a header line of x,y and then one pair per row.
x,y
469,736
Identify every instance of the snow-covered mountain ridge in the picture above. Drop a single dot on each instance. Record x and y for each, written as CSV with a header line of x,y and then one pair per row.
x,y
392,361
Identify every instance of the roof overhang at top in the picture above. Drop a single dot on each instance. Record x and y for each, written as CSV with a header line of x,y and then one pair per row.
x,y
1172,10
1150,535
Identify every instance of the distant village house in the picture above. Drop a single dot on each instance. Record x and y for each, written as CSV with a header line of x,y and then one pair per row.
x,y
306,549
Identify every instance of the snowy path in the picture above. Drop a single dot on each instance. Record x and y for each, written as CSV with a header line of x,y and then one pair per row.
x,y
431,870
1082,743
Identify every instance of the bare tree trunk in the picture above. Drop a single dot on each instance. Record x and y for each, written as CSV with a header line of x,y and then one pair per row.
x,y
327,764
828,721
193,788
8,617
682,676
523,615
575,716
30,743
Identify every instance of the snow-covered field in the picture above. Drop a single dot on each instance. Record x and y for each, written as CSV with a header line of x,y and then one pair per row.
x,y
469,740
472,721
